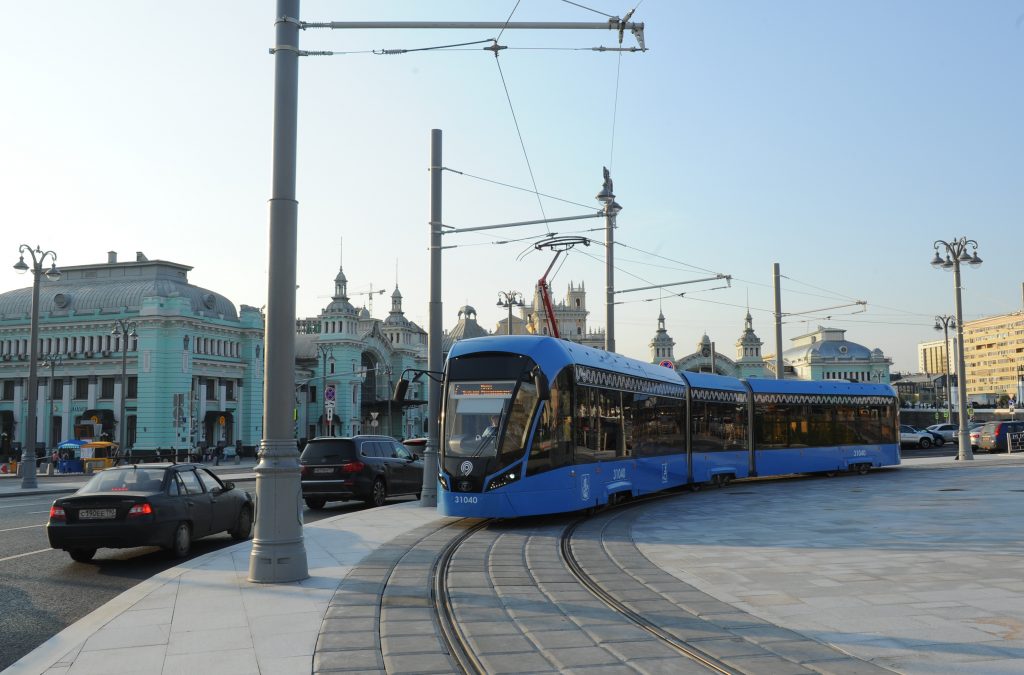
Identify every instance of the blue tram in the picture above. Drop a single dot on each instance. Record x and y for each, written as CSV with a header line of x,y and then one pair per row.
x,y
533,425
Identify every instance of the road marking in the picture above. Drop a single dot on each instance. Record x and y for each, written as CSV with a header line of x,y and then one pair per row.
x,y
17,506
32,513
22,555
26,527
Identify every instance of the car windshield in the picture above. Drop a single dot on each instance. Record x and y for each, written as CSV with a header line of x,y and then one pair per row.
x,y
129,479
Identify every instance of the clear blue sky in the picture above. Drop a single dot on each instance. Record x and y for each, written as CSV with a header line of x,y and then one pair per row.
x,y
837,139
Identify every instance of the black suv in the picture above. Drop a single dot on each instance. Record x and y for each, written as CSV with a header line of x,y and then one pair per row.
x,y
370,468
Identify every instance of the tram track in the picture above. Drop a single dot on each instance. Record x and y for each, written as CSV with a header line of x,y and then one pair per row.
x,y
454,639
587,581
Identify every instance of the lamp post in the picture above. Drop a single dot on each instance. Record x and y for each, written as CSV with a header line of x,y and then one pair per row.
x,y
611,209
944,322
1020,385
510,299
326,353
956,253
53,361
125,330
28,453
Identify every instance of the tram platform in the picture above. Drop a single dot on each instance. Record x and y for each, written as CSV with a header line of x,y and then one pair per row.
x,y
917,569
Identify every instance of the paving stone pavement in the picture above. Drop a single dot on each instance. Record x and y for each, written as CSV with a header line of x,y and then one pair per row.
x,y
918,569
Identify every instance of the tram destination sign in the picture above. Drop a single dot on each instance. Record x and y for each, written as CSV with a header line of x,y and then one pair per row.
x,y
482,389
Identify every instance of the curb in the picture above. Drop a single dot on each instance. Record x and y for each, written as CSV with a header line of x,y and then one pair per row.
x,y
37,493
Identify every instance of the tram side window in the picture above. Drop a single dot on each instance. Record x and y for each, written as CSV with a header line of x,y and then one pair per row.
x,y
821,428
869,424
771,425
718,425
552,447
598,425
887,418
656,425
846,426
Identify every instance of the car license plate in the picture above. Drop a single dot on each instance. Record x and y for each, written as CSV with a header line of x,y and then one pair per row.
x,y
97,514
326,470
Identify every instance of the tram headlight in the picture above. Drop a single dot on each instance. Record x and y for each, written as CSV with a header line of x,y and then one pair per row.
x,y
503,479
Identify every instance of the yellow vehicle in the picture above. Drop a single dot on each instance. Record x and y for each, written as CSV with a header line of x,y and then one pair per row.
x,y
98,455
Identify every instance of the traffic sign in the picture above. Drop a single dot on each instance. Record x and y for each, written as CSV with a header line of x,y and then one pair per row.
x,y
330,392
667,364
329,410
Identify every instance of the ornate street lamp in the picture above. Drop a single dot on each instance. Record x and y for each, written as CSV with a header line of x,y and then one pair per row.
x,y
956,253
944,322
326,353
53,361
28,453
510,299
125,330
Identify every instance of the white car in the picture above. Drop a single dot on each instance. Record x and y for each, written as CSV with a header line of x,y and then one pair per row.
x,y
948,431
915,438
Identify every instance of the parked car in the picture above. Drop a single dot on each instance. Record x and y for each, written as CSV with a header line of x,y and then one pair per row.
x,y
166,505
417,446
975,432
947,430
370,468
992,436
915,437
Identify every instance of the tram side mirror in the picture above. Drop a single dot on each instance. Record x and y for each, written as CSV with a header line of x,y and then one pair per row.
x,y
400,389
543,388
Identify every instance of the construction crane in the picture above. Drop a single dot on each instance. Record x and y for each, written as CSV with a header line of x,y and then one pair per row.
x,y
369,296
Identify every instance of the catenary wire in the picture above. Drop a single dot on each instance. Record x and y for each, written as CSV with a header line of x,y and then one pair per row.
x,y
516,187
506,22
590,9
522,143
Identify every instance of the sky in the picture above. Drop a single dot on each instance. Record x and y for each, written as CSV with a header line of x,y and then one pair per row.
x,y
840,140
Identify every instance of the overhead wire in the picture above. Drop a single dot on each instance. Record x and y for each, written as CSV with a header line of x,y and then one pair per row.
x,y
590,9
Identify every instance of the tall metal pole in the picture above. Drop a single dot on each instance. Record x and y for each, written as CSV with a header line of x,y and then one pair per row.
x,y
428,495
125,330
945,321
961,372
28,453
956,252
52,360
611,210
779,373
278,551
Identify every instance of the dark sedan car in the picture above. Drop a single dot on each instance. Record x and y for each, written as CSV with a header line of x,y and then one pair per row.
x,y
166,505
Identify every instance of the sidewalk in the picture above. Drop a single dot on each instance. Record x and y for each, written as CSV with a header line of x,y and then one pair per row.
x,y
920,579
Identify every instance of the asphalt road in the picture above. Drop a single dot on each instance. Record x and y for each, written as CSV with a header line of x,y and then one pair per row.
x,y
42,590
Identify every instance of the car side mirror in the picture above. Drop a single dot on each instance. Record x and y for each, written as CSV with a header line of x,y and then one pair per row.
x,y
228,486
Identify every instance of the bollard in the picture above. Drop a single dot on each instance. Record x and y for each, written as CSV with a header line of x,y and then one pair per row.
x,y
49,469
238,459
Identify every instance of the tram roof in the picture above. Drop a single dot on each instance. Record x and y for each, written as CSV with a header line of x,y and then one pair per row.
x,y
768,386
552,354
712,381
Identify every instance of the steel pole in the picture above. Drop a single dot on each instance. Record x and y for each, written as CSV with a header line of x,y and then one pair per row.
x,y
609,274
428,495
278,551
961,370
949,381
121,422
28,453
779,372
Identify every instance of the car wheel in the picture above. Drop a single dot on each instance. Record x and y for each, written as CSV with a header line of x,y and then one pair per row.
x,y
378,494
315,503
82,554
243,528
924,443
939,441
181,543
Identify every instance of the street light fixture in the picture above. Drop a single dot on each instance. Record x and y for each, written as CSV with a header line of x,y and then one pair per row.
x,y
28,453
956,253
944,322
326,353
510,299
125,330
52,361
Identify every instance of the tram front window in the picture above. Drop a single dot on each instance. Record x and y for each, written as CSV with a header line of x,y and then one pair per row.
x,y
475,417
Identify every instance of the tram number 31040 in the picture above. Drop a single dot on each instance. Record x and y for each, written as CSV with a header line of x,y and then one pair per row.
x,y
459,499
